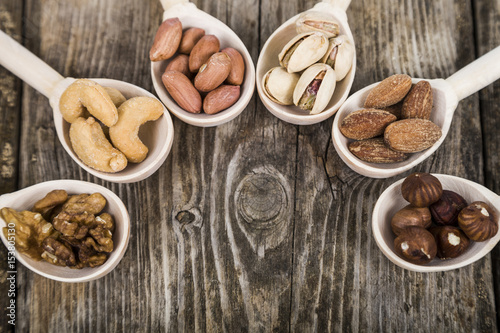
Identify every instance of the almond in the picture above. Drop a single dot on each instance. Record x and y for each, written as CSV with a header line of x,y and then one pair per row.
x,y
418,102
167,40
412,135
237,72
375,151
206,46
182,91
179,64
395,109
221,98
189,39
213,73
388,92
366,123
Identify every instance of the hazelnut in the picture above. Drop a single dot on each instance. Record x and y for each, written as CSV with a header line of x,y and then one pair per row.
x,y
411,216
478,221
416,245
421,189
451,241
445,211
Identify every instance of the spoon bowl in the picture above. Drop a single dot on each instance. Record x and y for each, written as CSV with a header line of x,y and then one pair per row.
x,y
444,99
269,58
190,16
25,199
446,94
391,200
157,136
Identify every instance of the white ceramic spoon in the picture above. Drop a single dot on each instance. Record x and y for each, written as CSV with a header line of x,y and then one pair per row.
x,y
269,58
25,199
391,201
447,93
157,136
190,16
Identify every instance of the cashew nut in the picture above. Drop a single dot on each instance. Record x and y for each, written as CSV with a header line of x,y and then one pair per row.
x,y
116,96
87,95
131,115
92,147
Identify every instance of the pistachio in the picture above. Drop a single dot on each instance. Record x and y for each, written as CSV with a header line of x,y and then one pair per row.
x,y
182,91
167,39
312,21
315,88
206,46
339,56
278,85
302,51
189,39
213,73
237,72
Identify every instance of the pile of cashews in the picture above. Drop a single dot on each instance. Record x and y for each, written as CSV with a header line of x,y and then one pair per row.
x,y
84,101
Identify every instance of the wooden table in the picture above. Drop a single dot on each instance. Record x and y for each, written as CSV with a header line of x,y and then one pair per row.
x,y
279,236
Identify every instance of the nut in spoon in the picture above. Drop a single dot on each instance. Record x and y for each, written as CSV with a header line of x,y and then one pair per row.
x,y
157,136
391,200
447,93
25,198
190,17
269,58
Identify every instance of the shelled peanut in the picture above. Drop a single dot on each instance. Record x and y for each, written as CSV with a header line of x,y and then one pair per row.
x,y
199,75
395,121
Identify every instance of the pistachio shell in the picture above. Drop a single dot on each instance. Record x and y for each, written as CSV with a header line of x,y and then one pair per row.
x,y
306,87
302,51
278,85
312,21
340,55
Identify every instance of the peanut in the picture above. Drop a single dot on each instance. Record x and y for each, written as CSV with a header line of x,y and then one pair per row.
x,y
167,40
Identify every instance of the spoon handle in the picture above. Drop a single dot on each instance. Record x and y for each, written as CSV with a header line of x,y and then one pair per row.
x,y
344,4
170,3
476,75
28,67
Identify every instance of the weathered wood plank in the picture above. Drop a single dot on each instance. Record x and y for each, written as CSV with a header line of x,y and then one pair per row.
x,y
10,107
233,259
487,25
255,225
362,290
90,39
10,95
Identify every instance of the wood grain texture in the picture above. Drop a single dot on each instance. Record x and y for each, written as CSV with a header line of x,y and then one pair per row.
x,y
257,225
488,37
10,104
10,111
369,292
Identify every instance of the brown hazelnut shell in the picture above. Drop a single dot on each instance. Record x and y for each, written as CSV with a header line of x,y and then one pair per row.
x,y
478,221
421,189
445,211
416,245
451,242
411,216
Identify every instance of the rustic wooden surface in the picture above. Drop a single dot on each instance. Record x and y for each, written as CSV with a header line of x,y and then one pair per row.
x,y
256,225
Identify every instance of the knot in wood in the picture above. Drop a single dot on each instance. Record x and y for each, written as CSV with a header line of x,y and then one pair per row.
x,y
261,200
188,218
185,217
